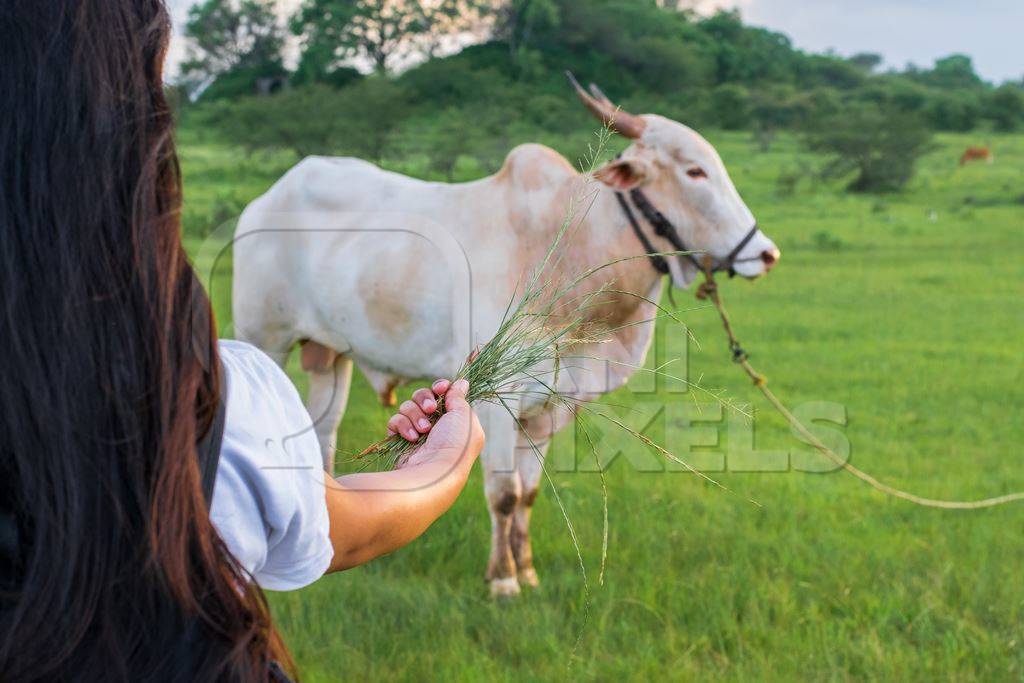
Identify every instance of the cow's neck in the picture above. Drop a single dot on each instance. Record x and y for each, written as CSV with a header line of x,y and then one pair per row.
x,y
600,235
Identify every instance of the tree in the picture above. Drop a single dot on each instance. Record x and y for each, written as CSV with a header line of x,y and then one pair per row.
x,y
770,110
226,35
380,31
1006,107
317,64
952,72
879,146
647,45
745,54
953,110
869,61
516,21
829,70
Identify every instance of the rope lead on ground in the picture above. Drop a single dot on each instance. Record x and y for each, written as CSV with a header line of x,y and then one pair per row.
x,y
709,290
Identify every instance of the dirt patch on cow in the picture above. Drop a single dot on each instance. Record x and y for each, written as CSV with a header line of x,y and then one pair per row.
x,y
386,310
388,298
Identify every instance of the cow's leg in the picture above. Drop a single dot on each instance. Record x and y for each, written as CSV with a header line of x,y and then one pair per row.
x,y
530,454
504,491
531,448
330,377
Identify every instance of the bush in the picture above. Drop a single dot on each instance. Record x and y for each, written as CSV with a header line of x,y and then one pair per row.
x,y
357,120
880,146
730,106
817,104
454,134
281,121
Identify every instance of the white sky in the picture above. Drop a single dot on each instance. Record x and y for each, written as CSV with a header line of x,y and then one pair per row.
x,y
918,31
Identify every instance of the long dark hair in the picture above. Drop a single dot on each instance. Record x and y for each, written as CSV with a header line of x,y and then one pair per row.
x,y
105,382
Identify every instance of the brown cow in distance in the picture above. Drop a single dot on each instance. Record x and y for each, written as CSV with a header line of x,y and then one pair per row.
x,y
976,154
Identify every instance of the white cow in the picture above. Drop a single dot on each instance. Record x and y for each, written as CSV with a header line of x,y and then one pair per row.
x,y
403,278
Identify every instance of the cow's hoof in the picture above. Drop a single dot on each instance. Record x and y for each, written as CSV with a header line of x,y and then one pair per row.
x,y
528,577
504,588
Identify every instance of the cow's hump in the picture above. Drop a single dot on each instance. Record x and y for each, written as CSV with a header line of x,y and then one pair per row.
x,y
532,167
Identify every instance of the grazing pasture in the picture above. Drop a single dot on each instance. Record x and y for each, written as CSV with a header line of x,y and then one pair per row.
x,y
907,309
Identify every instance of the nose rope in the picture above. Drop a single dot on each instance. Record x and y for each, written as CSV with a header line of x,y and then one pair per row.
x,y
708,290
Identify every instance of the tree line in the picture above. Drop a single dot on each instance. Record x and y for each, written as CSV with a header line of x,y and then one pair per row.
x,y
471,76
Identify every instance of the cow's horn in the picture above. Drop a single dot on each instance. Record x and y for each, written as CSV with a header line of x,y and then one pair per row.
x,y
621,122
596,92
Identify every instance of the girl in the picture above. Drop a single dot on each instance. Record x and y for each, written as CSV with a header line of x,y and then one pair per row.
x,y
112,564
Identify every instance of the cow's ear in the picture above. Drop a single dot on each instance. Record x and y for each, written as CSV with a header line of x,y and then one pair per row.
x,y
623,175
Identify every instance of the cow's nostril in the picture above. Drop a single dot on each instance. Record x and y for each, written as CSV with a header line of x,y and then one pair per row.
x,y
770,257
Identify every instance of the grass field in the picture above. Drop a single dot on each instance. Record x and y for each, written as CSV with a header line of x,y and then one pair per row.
x,y
905,310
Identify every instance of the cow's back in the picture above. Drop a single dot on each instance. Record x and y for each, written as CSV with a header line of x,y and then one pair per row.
x,y
391,265
347,254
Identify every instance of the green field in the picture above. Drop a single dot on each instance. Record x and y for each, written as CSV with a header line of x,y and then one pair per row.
x,y
906,310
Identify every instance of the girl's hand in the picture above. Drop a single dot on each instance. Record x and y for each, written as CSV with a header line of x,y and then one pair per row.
x,y
455,434
411,421
373,513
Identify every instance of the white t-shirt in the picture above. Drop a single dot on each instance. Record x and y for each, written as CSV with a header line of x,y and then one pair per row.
x,y
268,499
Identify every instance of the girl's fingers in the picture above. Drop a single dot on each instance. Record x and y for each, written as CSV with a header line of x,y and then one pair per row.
x,y
424,398
411,420
455,399
400,424
416,416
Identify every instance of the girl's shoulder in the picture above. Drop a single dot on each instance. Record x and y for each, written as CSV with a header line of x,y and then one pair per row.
x,y
247,365
258,392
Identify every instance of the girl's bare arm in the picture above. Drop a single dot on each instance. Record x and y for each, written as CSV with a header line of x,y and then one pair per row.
x,y
374,513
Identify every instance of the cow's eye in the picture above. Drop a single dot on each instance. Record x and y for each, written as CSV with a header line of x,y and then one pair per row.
x,y
696,172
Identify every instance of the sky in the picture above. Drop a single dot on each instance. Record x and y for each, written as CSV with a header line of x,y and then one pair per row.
x,y
902,31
